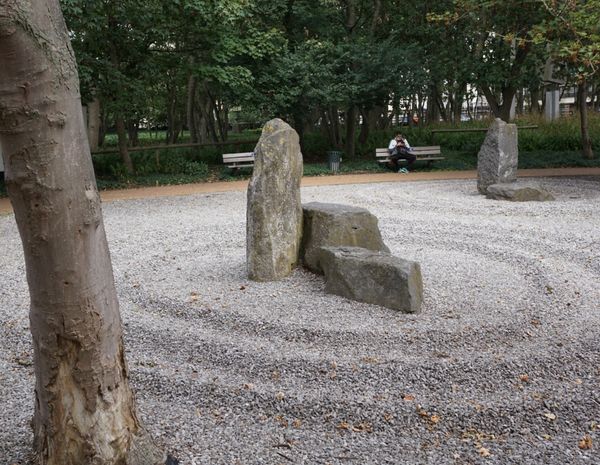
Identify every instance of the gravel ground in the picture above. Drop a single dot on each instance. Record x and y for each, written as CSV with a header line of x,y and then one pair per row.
x,y
501,367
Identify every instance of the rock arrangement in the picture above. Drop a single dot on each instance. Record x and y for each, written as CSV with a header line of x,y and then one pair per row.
x,y
274,209
344,243
497,163
330,225
340,241
373,277
498,157
519,191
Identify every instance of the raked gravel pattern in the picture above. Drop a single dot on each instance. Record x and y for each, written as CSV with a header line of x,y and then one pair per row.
x,y
501,367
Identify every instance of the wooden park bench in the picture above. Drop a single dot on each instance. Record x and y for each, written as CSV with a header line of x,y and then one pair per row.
x,y
427,154
238,160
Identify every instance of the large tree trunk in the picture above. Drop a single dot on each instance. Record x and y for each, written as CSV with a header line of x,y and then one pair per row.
x,y
586,142
84,408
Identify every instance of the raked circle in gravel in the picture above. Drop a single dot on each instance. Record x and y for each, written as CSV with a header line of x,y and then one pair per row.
x,y
501,367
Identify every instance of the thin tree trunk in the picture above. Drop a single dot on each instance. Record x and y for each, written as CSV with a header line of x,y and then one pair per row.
x,y
84,408
122,140
586,141
350,143
535,97
191,99
94,122
365,127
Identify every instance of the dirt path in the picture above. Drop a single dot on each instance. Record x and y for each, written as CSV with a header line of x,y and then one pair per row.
x,y
199,188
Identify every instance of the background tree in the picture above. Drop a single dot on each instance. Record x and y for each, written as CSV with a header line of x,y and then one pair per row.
x,y
84,408
574,34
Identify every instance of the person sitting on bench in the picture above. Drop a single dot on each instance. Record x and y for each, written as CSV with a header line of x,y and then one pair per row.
x,y
399,149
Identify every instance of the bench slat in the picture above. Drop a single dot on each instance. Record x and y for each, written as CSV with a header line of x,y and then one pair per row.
x,y
385,160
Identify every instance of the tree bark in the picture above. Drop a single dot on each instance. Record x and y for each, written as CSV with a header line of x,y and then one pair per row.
x,y
586,141
84,409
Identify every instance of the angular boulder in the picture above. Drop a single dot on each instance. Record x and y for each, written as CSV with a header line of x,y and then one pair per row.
x,y
499,156
519,191
373,277
274,209
332,225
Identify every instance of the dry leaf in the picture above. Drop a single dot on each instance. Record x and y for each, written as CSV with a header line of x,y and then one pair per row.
x,y
484,452
280,396
370,359
408,397
363,427
585,443
343,425
248,386
550,416
524,378
547,437
388,417
297,423
434,419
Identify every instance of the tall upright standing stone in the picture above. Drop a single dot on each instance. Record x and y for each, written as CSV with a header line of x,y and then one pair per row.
x,y
499,156
274,209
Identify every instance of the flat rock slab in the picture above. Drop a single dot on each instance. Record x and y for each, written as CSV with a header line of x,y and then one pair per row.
x,y
519,192
332,225
498,157
274,209
373,277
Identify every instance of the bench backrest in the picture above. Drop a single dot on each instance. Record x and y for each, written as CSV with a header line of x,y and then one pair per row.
x,y
238,157
418,151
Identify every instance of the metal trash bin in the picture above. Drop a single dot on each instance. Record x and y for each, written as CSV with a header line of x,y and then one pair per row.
x,y
334,158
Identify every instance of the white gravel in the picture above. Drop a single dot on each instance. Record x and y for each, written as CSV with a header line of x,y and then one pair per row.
x,y
501,367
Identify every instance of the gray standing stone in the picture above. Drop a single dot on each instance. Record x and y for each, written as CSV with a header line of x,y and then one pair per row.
x,y
499,156
331,224
519,191
274,209
373,277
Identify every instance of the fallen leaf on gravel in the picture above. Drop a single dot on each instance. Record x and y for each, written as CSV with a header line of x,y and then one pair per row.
x,y
550,416
484,452
242,288
363,427
388,417
282,421
578,381
370,359
547,437
585,442
248,386
536,322
297,423
549,289
524,378
434,419
343,425
408,397
280,396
